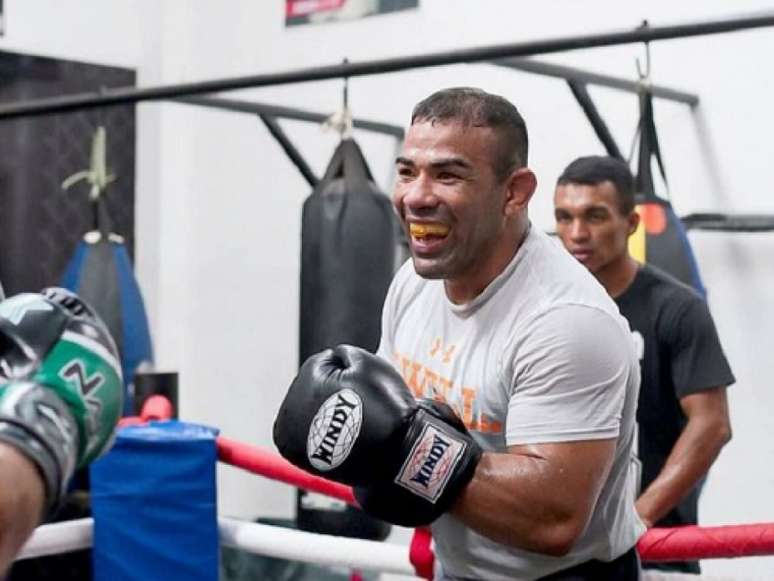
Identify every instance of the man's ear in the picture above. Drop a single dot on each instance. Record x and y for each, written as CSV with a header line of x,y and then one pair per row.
x,y
634,221
521,185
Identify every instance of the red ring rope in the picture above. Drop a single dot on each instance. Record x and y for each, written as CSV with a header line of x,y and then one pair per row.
x,y
269,464
689,543
421,553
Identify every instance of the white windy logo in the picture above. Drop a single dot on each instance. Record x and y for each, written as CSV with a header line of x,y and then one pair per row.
x,y
334,430
432,460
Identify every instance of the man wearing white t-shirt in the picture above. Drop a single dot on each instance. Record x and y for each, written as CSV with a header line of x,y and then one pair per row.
x,y
494,326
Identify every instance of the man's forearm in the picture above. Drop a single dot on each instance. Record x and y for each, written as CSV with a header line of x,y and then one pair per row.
x,y
510,514
692,456
532,499
21,502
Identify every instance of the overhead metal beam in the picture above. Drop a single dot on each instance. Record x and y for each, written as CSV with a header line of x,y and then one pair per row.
x,y
591,78
123,96
281,112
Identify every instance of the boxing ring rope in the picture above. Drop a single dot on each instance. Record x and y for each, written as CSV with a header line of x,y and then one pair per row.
x,y
658,544
260,539
271,465
690,543
317,548
61,537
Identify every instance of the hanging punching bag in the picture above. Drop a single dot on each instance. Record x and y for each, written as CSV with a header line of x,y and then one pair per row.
x,y
348,245
660,239
100,271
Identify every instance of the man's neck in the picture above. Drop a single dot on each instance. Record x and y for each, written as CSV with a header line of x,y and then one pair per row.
x,y
465,289
618,276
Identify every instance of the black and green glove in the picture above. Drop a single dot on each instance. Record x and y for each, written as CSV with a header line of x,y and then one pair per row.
x,y
61,388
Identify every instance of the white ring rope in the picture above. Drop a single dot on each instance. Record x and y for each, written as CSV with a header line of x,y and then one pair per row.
x,y
256,538
315,548
61,537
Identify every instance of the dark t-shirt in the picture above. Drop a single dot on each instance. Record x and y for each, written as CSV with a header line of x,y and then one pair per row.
x,y
680,354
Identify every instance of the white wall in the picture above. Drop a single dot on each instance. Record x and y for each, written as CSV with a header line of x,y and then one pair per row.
x,y
88,30
219,204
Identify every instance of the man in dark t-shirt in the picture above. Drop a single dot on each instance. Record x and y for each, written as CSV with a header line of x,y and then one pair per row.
x,y
683,412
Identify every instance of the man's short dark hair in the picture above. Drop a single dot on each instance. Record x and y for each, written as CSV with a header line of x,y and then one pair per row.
x,y
473,107
596,169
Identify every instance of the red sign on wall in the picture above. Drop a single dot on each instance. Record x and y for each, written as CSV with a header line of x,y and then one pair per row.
x,y
296,8
316,11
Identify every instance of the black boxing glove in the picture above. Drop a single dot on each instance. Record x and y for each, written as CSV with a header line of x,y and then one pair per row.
x,y
349,416
442,460
342,406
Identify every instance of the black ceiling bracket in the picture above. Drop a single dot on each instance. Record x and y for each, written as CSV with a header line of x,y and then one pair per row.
x,y
592,114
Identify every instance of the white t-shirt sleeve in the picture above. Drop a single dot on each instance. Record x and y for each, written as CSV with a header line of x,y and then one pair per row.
x,y
568,374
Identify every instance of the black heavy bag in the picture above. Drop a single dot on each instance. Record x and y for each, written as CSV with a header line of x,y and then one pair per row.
x,y
348,247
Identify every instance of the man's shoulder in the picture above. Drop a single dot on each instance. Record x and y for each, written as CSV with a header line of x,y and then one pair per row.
x,y
556,279
663,287
670,304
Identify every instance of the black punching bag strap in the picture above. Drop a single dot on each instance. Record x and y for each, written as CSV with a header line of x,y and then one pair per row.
x,y
648,148
103,223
